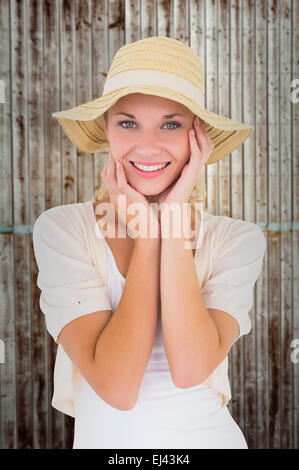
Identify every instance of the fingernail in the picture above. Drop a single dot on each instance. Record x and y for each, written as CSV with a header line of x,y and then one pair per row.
x,y
117,165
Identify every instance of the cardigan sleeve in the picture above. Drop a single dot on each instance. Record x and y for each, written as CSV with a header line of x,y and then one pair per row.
x,y
237,266
69,282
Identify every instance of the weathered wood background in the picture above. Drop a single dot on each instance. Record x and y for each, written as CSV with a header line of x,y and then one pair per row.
x,y
55,55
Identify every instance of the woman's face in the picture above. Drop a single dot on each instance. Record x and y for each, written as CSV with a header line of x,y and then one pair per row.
x,y
149,138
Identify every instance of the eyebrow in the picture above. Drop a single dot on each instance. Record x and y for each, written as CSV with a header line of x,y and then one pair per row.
x,y
166,116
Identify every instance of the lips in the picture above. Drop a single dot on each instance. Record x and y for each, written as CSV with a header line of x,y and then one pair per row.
x,y
149,174
139,162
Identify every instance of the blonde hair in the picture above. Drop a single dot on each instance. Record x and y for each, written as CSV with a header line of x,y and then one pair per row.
x,y
198,194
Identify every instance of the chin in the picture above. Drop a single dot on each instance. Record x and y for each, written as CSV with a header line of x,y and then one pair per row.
x,y
150,191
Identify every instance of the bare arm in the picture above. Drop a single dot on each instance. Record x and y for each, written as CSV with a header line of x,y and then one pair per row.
x,y
196,339
124,347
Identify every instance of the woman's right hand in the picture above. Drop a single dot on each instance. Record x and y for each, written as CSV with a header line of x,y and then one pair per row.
x,y
116,183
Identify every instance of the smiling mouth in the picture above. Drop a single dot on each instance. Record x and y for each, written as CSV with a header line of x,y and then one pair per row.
x,y
148,167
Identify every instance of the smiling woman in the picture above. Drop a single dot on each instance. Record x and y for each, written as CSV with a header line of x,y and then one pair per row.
x,y
144,324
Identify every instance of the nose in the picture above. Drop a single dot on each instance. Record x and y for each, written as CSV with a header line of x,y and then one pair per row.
x,y
147,145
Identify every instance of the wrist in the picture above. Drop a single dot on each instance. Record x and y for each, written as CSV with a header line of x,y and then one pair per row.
x,y
176,223
148,244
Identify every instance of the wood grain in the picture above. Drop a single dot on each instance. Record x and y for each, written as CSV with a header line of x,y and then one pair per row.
x,y
55,55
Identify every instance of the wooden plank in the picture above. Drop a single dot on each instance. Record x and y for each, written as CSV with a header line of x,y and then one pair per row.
x,y
116,27
8,408
237,195
223,31
274,236
295,218
68,98
133,14
210,66
52,135
261,155
249,202
5,116
21,216
84,91
147,20
37,201
180,21
8,437
286,217
165,18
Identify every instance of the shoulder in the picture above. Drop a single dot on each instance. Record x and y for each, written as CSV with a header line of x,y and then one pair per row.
x,y
68,224
58,213
65,217
247,234
224,230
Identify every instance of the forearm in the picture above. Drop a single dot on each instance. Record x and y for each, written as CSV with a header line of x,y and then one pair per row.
x,y
125,345
190,336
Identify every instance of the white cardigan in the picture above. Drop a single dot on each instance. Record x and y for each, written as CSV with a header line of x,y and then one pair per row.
x,y
72,261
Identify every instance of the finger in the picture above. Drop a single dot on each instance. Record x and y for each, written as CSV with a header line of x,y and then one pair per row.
x,y
209,141
198,155
107,164
166,191
204,143
121,177
194,145
122,183
200,130
201,136
110,173
123,186
104,170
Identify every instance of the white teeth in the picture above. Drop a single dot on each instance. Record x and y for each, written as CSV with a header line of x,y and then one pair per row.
x,y
149,168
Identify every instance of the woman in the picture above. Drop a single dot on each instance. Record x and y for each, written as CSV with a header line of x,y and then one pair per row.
x,y
144,324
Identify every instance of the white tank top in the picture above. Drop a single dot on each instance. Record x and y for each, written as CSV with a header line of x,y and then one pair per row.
x,y
165,416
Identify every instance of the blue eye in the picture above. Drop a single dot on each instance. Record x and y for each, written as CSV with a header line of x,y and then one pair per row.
x,y
131,122
175,123
125,122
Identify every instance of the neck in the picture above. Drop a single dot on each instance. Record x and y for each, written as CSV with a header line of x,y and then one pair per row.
x,y
152,198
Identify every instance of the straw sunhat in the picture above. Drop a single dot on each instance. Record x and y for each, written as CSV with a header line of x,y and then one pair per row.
x,y
158,66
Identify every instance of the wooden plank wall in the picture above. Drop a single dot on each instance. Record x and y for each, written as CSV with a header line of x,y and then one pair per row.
x,y
55,55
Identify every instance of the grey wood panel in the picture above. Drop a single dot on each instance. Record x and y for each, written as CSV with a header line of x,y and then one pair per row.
x,y
55,55
261,155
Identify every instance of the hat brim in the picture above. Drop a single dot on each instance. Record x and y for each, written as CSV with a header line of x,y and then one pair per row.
x,y
84,124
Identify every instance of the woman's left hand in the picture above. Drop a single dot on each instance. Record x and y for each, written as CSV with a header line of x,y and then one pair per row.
x,y
201,147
